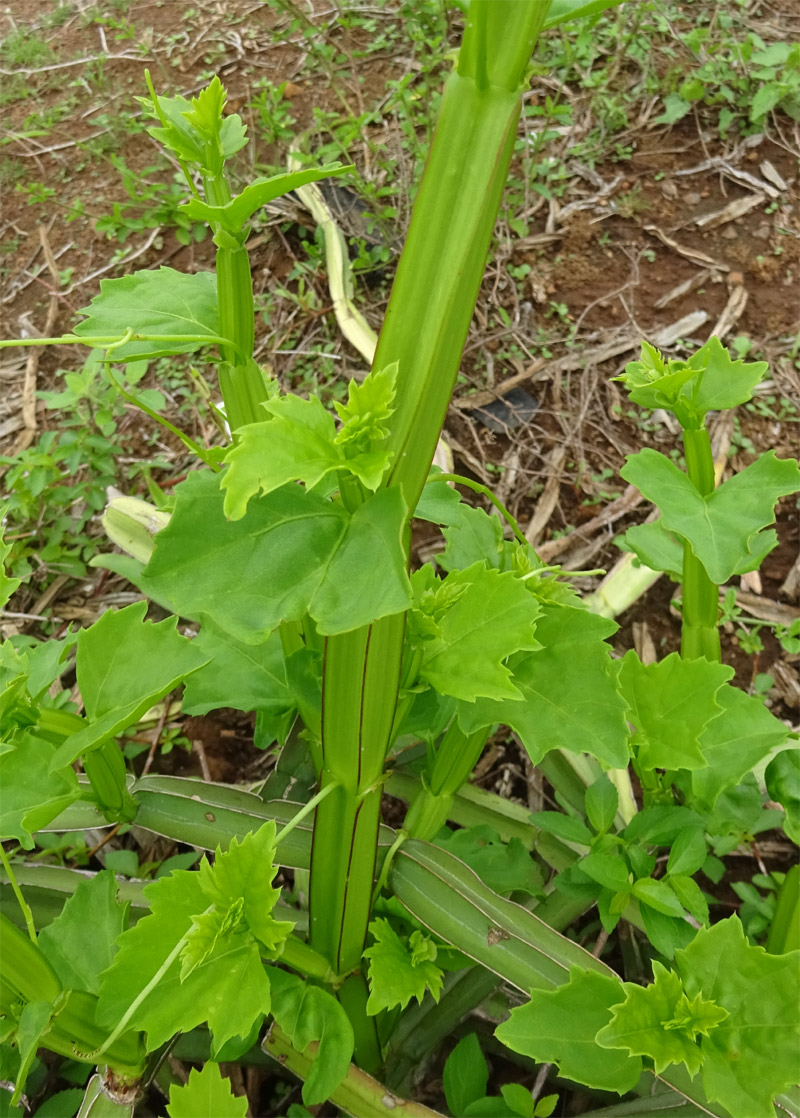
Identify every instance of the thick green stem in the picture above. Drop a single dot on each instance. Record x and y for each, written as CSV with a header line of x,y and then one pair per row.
x,y
456,757
699,631
426,324
240,379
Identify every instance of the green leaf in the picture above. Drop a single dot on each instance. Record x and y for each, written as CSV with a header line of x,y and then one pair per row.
x,y
166,303
244,874
82,940
365,416
196,131
721,526
721,382
518,1099
660,824
652,382
295,445
504,867
559,1026
34,792
609,870
245,676
221,979
666,933
32,1026
670,703
601,803
755,1052
570,700
440,503
398,972
300,442
655,547
124,665
782,778
735,742
658,895
490,617
465,1074
765,99
234,214
690,896
471,536
566,827
205,1094
61,1103
562,10
294,553
47,661
308,1014
688,851
8,586
661,1022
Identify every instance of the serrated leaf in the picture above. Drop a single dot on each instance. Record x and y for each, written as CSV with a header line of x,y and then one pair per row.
x,y
755,1052
244,676
559,1026
244,873
721,383
465,1074
570,700
124,665
295,445
395,974
471,536
294,553
720,526
601,803
301,443
47,661
670,703
206,1092
734,742
34,792
366,413
653,382
164,302
661,1022
490,617
308,1014
82,940
229,988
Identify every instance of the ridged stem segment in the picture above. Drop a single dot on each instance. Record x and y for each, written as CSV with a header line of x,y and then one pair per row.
x,y
699,629
425,328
